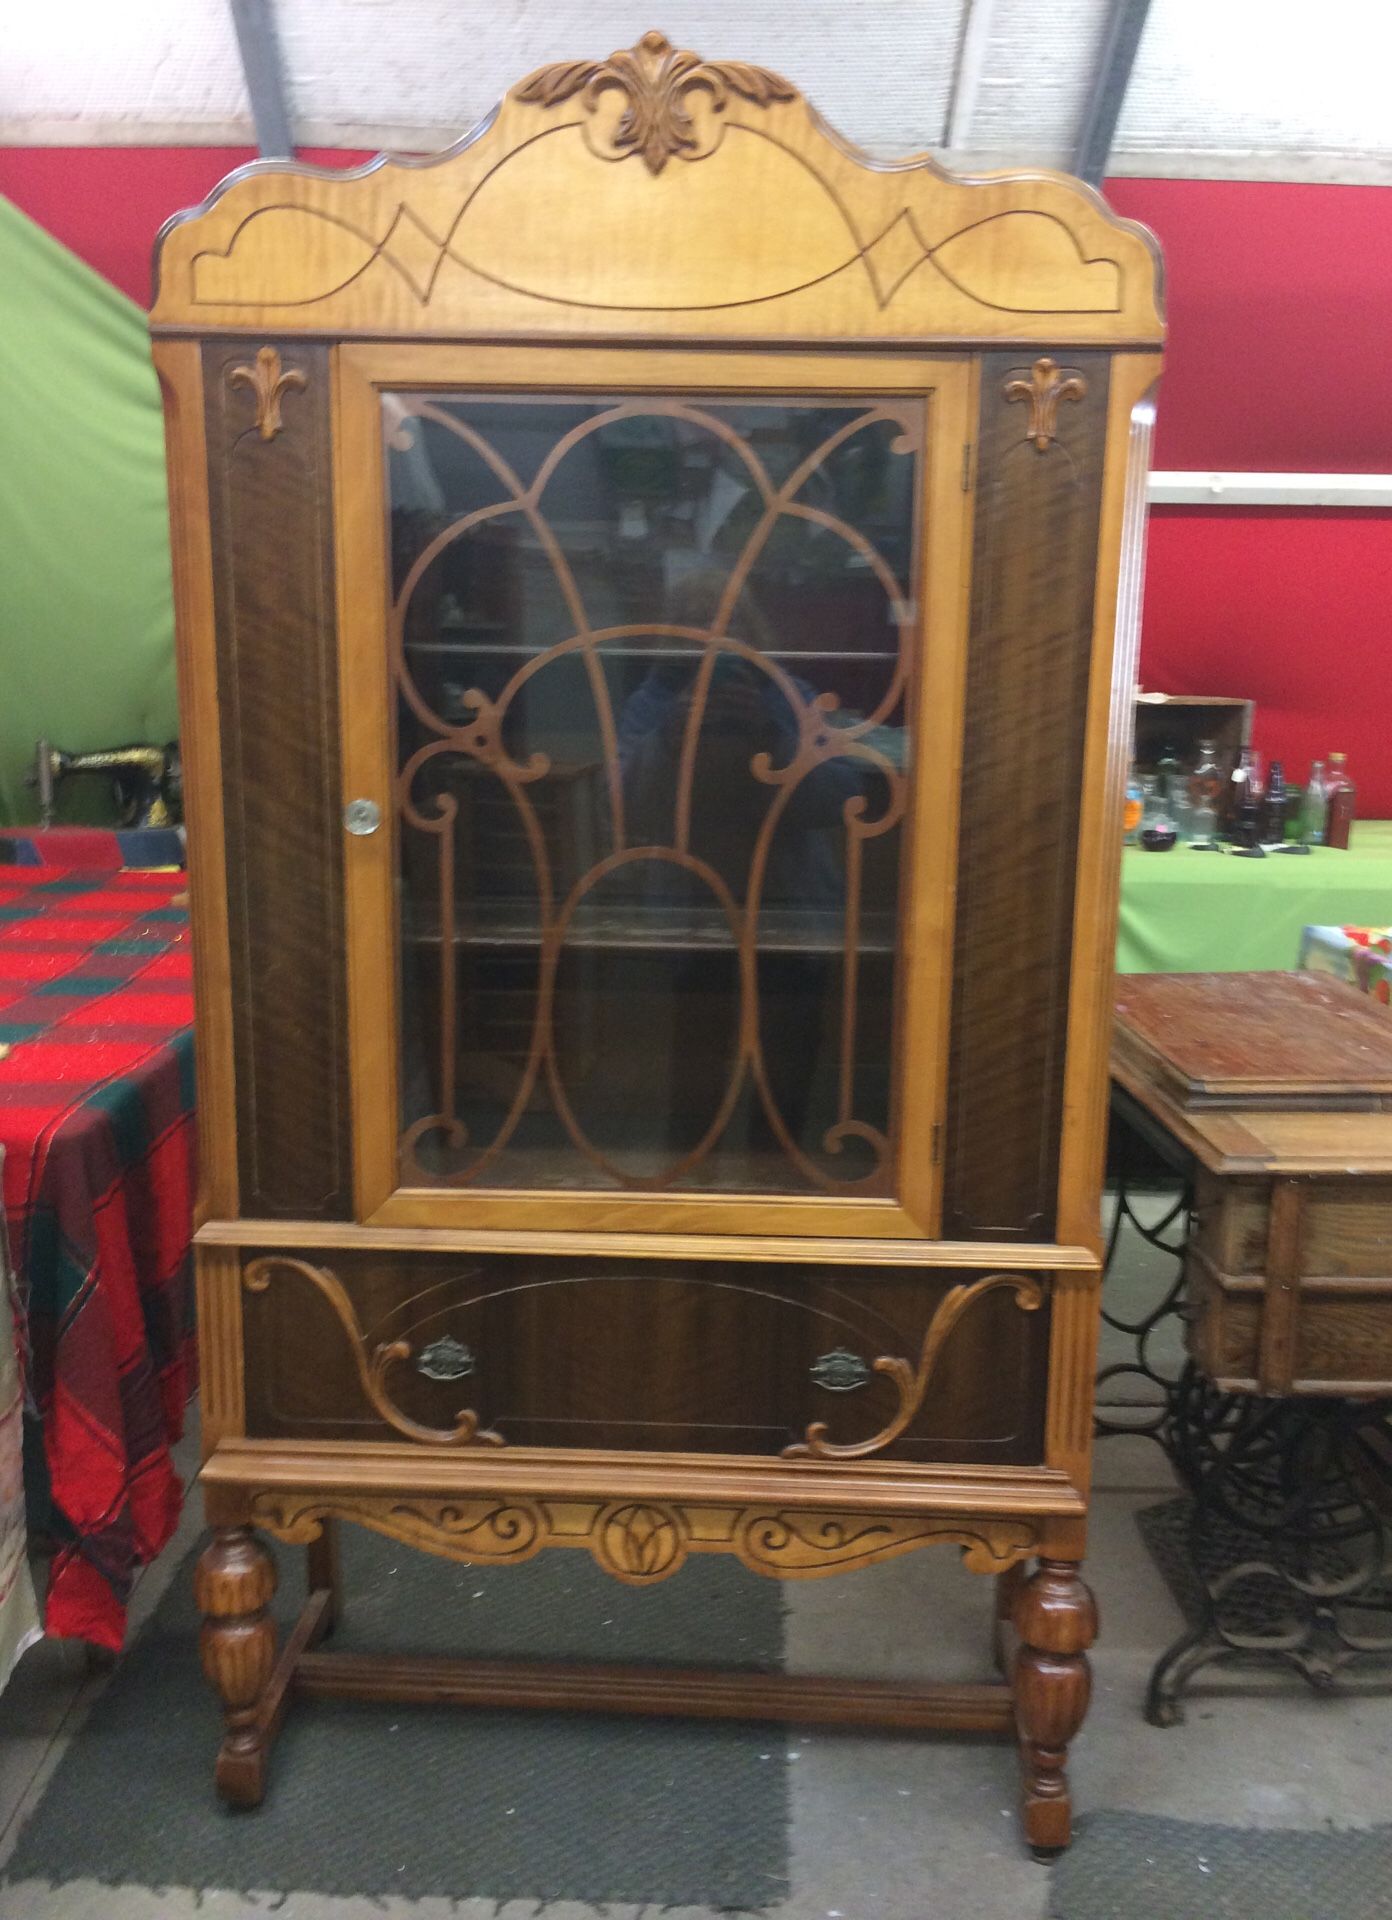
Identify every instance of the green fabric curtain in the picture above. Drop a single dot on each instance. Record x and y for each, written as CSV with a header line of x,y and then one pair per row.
x,y
86,609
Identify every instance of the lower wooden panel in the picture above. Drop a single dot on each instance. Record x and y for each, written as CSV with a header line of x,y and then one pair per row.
x,y
664,1356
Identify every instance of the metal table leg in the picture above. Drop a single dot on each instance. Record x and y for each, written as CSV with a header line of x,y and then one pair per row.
x,y
1170,1235
1289,1535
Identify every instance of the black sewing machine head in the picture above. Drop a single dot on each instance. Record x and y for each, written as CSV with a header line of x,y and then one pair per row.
x,y
146,782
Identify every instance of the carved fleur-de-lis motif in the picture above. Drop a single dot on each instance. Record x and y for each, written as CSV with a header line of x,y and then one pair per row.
x,y
656,78
1044,389
268,381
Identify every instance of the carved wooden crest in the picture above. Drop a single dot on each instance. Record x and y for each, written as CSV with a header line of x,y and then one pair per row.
x,y
655,82
532,225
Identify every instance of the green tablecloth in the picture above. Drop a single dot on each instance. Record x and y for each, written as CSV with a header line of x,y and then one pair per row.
x,y
1187,912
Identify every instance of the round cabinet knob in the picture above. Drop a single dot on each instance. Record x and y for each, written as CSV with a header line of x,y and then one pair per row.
x,y
362,816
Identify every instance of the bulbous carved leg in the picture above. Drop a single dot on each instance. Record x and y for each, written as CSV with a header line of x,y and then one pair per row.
x,y
233,1584
1056,1621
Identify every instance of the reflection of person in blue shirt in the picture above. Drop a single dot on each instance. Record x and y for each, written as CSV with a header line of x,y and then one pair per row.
x,y
746,713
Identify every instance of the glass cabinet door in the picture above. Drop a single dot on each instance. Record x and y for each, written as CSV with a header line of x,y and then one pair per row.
x,y
658,773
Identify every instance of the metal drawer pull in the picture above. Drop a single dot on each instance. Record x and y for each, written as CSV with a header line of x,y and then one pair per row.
x,y
840,1371
445,1359
362,816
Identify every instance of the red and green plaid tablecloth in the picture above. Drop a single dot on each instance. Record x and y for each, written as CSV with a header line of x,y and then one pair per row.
x,y
97,1122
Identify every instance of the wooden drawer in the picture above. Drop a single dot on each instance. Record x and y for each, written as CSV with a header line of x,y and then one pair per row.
x,y
688,1356
1345,1229
1343,1330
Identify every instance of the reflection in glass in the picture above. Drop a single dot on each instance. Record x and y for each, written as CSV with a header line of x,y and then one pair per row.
x,y
651,660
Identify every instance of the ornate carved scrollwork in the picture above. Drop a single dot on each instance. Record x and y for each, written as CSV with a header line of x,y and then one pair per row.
x,y
655,78
1044,389
269,382
912,1381
642,1542
485,1527
375,1364
786,1544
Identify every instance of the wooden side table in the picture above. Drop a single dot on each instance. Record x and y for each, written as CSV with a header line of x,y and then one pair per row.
x,y
1270,1096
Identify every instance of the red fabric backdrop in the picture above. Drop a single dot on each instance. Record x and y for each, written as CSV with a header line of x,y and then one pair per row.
x,y
1279,298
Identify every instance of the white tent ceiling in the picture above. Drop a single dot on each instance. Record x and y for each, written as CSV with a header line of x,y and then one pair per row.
x,y
1265,89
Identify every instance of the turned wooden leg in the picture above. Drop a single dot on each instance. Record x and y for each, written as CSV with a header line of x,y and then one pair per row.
x,y
324,1574
1056,1621
233,1584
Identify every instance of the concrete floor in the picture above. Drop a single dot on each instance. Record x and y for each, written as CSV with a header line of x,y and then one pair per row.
x,y
882,1828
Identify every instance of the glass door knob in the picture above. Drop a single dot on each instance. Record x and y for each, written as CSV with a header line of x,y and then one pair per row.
x,y
362,816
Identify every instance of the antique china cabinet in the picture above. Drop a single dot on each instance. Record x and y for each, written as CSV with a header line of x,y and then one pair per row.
x,y
656,601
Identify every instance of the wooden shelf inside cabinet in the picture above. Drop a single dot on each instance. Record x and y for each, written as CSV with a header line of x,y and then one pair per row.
x,y
654,861
487,924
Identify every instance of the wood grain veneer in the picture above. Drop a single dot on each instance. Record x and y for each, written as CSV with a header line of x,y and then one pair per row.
x,y
1029,655
272,544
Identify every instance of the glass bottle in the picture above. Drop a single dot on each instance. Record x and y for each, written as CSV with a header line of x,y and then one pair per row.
x,y
1312,807
1244,784
1274,826
1172,782
1338,817
1135,807
1295,813
1251,819
1157,827
1205,791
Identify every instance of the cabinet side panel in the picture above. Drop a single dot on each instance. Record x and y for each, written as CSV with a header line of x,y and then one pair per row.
x,y
1034,560
270,495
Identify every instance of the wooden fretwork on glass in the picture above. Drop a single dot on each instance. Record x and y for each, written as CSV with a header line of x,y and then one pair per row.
x,y
656,606
652,661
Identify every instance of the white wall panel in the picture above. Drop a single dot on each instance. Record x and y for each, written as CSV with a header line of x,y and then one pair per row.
x,y
1251,75
881,70
1269,88
1040,62
121,61
426,70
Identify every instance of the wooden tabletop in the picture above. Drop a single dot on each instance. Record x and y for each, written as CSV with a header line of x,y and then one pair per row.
x,y
1256,1039
1260,1073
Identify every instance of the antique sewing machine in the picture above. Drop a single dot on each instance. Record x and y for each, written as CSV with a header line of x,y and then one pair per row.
x,y
146,782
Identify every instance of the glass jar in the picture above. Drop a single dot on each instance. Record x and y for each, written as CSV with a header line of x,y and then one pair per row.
x,y
1158,833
